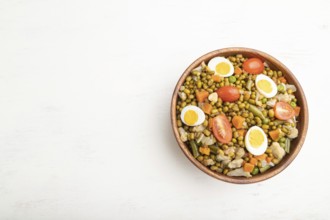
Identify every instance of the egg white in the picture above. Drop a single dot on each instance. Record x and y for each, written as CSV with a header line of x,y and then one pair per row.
x,y
256,151
272,83
200,113
216,60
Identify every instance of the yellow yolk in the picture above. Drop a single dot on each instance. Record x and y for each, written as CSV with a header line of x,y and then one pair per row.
x,y
265,86
190,117
256,138
222,68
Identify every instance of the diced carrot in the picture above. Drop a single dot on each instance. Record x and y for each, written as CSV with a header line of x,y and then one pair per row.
x,y
216,78
282,79
248,167
238,121
261,157
296,111
237,70
241,132
210,123
275,134
269,159
201,95
205,150
207,107
253,161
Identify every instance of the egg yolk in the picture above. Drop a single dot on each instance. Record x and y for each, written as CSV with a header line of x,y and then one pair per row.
x,y
265,86
222,68
256,138
190,117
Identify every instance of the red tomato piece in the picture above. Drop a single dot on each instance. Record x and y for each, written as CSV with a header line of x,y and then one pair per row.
x,y
253,66
221,129
228,93
283,111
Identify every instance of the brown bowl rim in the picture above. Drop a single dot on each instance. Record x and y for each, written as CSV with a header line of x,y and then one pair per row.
x,y
303,116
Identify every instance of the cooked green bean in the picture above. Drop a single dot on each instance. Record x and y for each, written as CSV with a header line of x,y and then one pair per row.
x,y
194,148
265,168
249,84
255,171
287,145
214,149
278,122
256,111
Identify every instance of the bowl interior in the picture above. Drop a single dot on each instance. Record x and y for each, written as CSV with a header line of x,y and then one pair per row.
x,y
302,125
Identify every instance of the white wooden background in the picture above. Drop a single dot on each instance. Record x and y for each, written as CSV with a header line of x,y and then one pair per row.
x,y
85,89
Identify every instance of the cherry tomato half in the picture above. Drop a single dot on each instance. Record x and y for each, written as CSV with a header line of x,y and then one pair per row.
x,y
228,93
283,111
253,66
221,129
